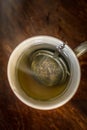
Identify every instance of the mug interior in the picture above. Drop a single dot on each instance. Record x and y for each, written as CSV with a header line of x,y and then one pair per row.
x,y
73,83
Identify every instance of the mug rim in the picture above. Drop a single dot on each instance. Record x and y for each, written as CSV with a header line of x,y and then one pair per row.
x,y
26,43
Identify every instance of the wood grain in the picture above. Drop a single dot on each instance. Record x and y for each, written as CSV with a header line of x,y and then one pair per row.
x,y
21,19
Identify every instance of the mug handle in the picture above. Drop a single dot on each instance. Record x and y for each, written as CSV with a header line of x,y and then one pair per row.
x,y
81,49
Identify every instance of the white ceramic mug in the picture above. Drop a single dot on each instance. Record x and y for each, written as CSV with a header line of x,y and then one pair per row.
x,y
74,80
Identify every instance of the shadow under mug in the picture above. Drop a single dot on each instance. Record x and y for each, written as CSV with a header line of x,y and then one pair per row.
x,y
75,74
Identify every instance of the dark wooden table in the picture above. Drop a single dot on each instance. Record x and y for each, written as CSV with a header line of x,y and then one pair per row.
x,y
21,19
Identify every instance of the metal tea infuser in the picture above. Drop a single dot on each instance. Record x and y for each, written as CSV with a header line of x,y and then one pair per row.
x,y
49,67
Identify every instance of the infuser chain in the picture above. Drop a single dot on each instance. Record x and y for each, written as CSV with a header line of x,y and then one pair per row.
x,y
58,49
